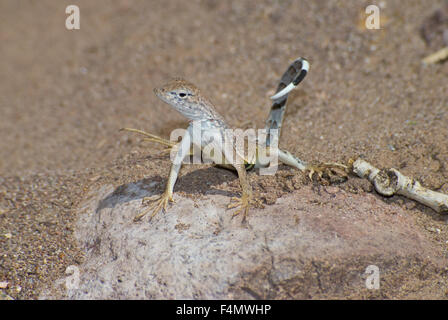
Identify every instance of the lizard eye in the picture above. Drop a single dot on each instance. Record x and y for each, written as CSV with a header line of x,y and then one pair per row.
x,y
184,94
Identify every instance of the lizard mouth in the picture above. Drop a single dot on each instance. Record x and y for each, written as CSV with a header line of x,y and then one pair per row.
x,y
157,92
161,94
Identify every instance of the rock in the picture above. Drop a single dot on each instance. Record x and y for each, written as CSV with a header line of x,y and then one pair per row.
x,y
310,244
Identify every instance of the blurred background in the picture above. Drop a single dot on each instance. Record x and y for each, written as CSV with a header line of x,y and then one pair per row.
x,y
64,94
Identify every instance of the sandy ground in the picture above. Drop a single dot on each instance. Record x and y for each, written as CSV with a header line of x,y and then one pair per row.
x,y
64,95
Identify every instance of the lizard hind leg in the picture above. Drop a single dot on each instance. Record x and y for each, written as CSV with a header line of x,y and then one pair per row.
x,y
151,137
331,171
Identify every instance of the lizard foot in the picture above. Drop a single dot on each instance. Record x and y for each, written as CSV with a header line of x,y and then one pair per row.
x,y
156,206
244,203
328,172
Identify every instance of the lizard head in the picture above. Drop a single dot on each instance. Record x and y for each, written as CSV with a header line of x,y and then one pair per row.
x,y
177,91
186,98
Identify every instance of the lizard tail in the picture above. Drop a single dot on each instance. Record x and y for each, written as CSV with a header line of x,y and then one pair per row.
x,y
295,73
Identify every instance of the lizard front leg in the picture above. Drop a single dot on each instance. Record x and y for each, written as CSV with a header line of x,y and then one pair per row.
x,y
161,203
167,196
246,198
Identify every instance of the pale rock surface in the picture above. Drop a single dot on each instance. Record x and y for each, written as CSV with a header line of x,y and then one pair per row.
x,y
312,243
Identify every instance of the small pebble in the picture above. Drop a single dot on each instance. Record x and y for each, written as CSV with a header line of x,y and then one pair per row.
x,y
332,190
435,230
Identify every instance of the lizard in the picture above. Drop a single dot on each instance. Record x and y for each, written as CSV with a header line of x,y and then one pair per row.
x,y
187,99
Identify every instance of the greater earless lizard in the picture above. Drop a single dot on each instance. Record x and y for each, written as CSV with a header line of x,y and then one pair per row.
x,y
187,99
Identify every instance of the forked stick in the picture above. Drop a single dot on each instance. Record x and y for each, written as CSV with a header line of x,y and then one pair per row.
x,y
388,182
436,57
